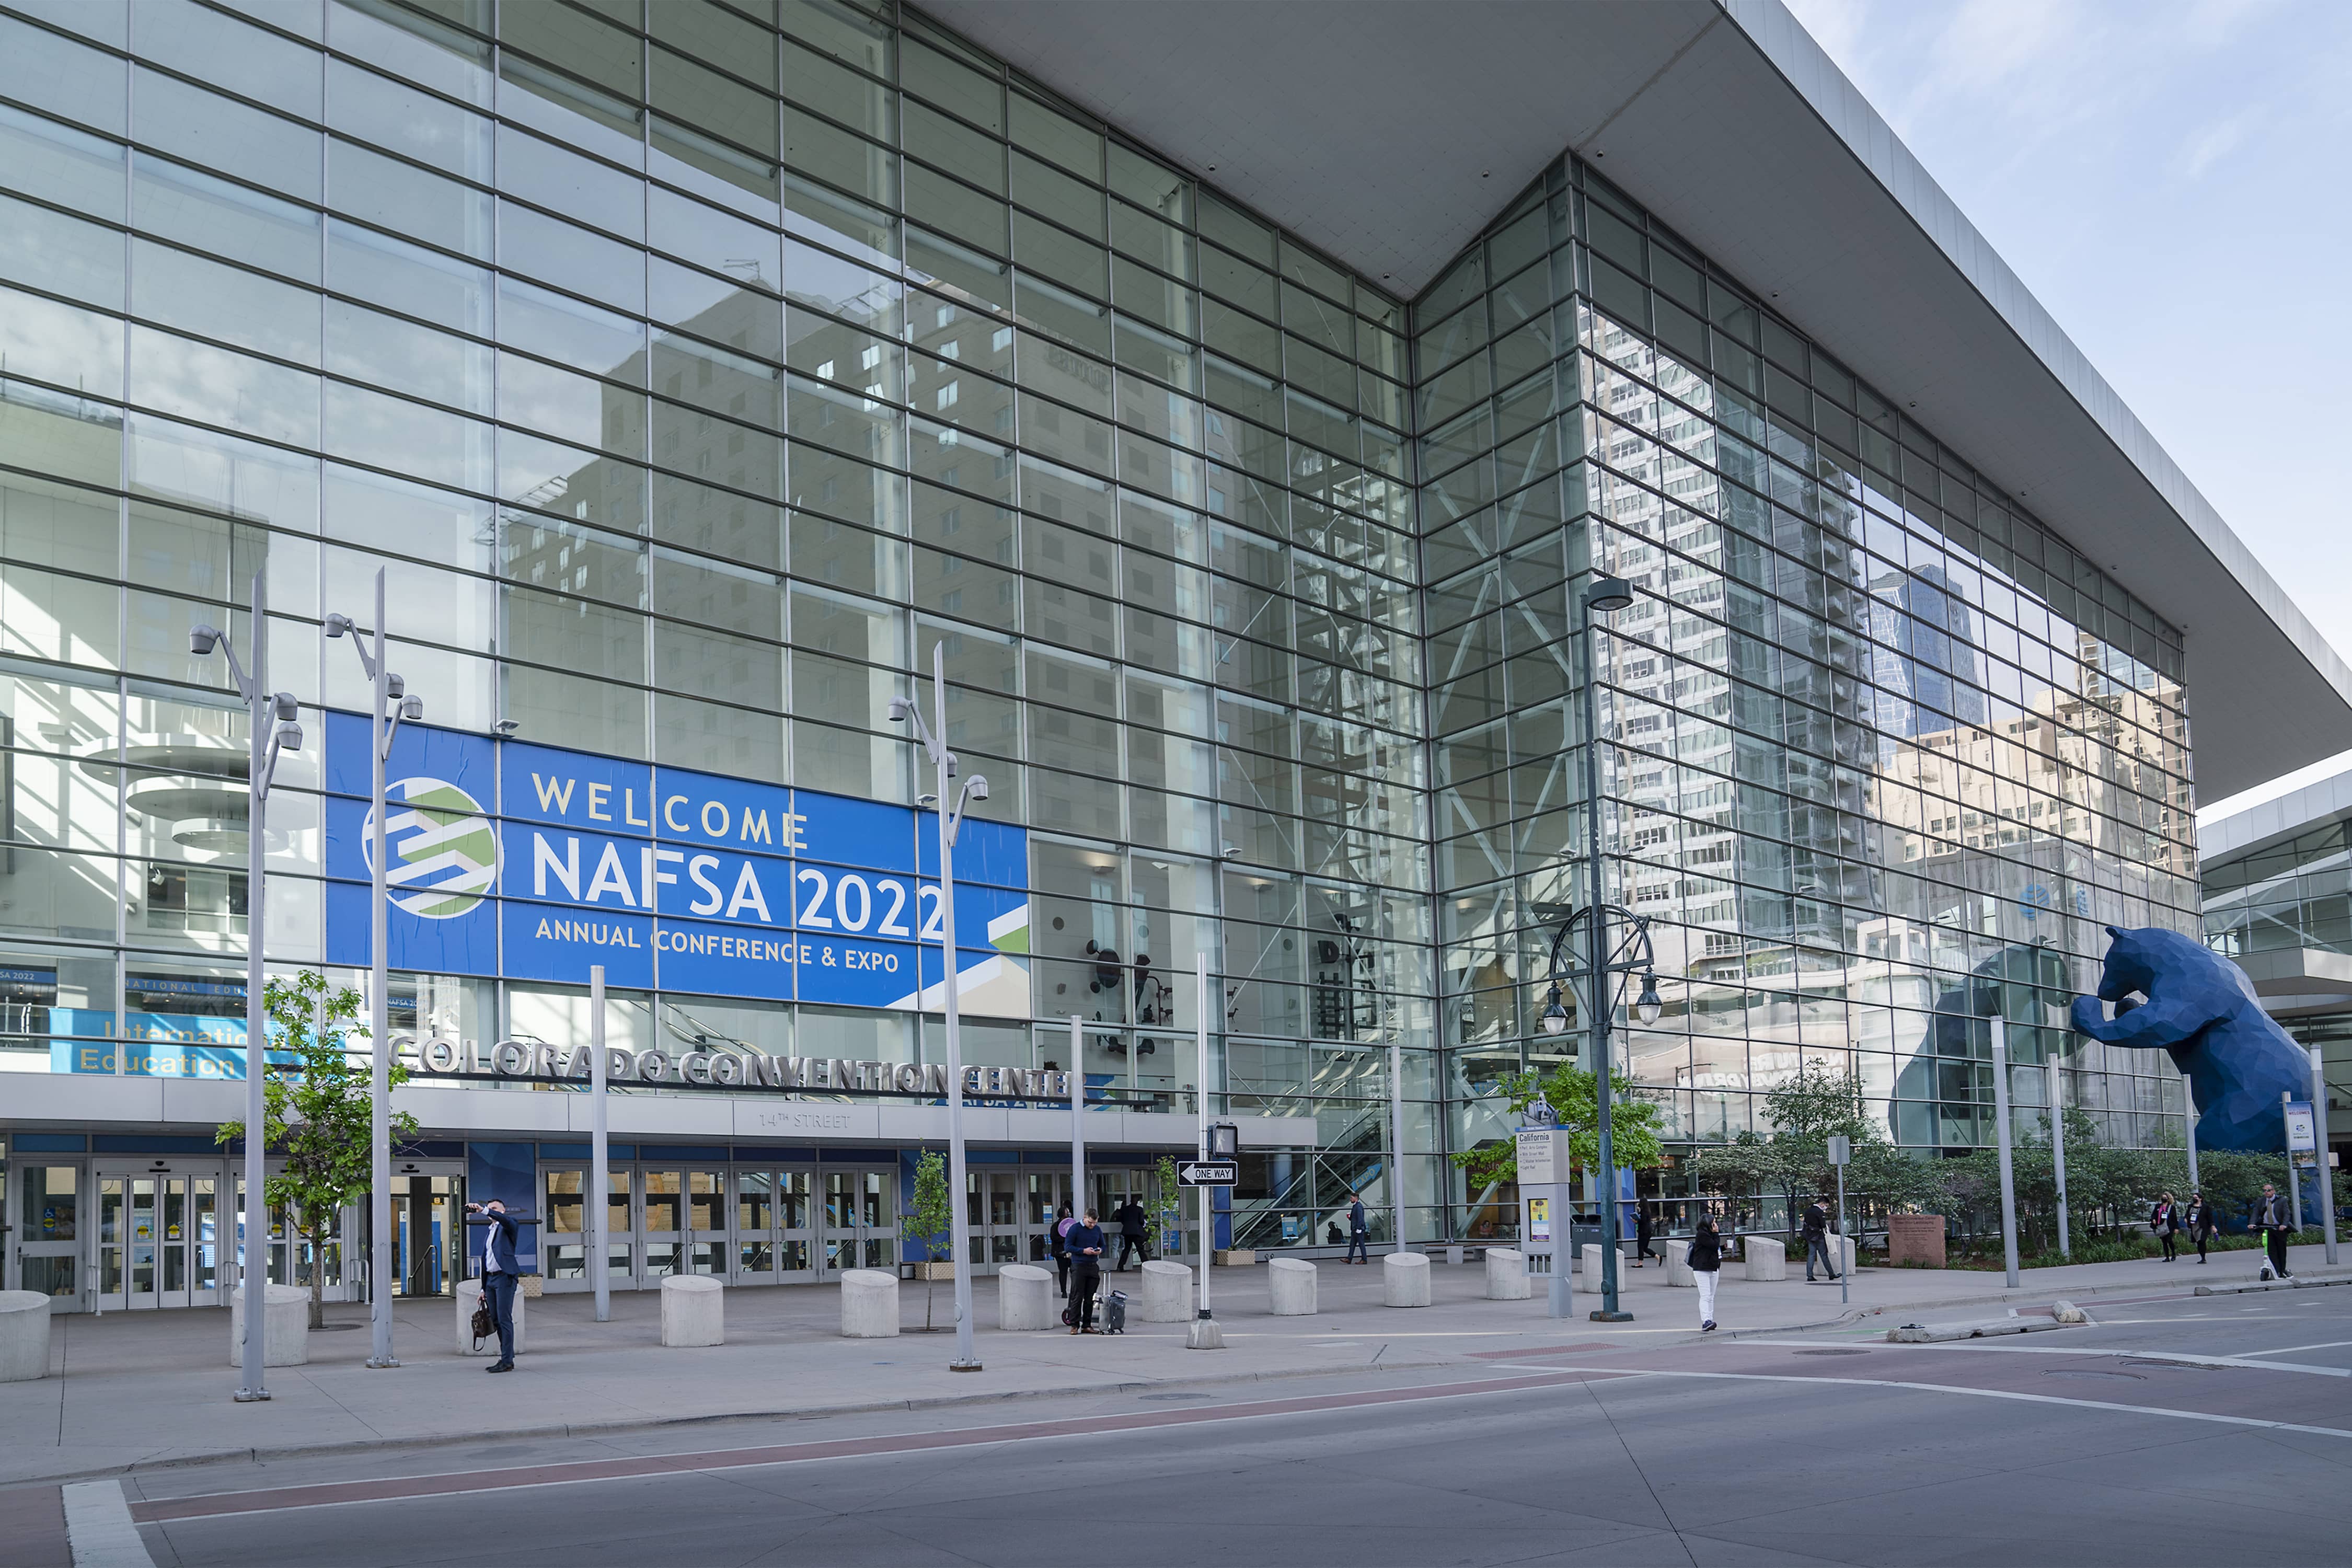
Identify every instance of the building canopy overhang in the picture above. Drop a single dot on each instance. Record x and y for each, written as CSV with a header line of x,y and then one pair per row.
x,y
1389,133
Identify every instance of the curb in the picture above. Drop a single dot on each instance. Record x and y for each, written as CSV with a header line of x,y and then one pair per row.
x,y
611,1429
2299,1282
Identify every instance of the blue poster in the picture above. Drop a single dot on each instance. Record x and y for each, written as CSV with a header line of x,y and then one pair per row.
x,y
536,862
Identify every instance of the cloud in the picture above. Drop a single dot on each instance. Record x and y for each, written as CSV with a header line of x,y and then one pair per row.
x,y
2215,141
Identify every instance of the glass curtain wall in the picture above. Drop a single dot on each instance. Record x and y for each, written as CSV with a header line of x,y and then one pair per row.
x,y
1878,747
697,369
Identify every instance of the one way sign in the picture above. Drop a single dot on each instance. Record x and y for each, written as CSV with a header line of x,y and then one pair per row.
x,y
1208,1172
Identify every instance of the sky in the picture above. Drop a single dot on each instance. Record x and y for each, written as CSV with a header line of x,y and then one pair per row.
x,y
2170,178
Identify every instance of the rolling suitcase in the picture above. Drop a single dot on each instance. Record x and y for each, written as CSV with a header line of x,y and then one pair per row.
x,y
1115,1312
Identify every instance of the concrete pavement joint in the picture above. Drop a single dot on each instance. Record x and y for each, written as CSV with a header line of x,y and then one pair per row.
x,y
612,1428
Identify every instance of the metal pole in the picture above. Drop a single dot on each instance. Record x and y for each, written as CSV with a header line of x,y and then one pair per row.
x,y
2000,1111
966,1360
2293,1186
1396,1146
600,1151
2319,1126
2058,1157
1200,1104
255,1277
1596,986
1846,1265
2188,1112
1078,1117
380,1014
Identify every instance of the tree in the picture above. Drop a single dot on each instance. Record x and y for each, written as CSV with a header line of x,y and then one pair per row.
x,y
1806,1110
931,1220
1573,1095
1172,1210
317,1114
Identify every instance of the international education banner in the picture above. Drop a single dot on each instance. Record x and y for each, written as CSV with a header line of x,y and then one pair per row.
x,y
535,862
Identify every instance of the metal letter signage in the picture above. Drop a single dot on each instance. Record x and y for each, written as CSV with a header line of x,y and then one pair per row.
x,y
531,862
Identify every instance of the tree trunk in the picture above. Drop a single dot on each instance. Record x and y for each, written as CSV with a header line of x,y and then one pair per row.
x,y
318,1277
928,1289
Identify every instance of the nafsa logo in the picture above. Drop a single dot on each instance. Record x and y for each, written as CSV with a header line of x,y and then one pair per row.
x,y
445,854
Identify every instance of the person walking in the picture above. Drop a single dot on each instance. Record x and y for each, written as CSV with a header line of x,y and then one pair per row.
x,y
1057,1236
1706,1270
1360,1231
1134,1233
2201,1222
1086,1244
1641,1224
2270,1217
2165,1221
501,1270
1817,1242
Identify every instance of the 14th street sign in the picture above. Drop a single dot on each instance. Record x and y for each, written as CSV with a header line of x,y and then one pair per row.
x,y
1208,1172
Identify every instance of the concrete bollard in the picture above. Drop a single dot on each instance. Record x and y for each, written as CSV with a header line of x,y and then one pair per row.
x,y
1507,1275
1024,1298
869,1304
693,1311
285,1326
1290,1281
469,1296
23,1336
1678,1268
1166,1293
1404,1279
1764,1257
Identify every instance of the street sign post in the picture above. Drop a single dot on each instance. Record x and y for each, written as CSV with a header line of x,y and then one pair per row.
x,y
1842,1155
1208,1172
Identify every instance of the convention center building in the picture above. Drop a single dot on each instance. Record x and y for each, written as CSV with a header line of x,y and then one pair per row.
x,y
1237,401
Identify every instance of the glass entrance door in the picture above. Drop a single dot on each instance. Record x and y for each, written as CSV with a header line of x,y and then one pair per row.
x,y
158,1243
46,1255
664,1227
708,1245
858,1228
563,1239
993,1211
1041,1207
775,1242
428,1223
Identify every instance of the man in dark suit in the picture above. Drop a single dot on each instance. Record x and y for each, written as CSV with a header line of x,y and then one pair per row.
x,y
501,1270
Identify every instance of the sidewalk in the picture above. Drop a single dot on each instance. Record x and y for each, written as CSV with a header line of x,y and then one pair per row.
x,y
134,1390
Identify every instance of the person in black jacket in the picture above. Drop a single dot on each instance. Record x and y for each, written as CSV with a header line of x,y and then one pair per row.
x,y
1642,1233
1706,1270
2202,1223
1134,1227
501,1270
2164,1220
1086,1244
1054,1231
1817,1240
1360,1231
2271,1218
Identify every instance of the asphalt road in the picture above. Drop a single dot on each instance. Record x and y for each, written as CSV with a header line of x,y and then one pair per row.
x,y
2076,1446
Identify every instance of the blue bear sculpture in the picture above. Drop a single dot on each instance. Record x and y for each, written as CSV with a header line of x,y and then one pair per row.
x,y
2201,1008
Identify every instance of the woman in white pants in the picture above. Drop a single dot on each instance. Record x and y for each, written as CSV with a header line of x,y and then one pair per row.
x,y
1706,1270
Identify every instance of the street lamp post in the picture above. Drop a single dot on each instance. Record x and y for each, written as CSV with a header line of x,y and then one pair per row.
x,y
950,800
391,703
1605,595
274,730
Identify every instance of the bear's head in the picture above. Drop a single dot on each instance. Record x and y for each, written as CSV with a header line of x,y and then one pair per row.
x,y
2131,964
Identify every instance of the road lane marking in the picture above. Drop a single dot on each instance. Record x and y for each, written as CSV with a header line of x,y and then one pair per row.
x,y
1630,1372
1976,1347
2290,1349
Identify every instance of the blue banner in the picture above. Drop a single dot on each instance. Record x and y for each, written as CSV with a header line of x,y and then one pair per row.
x,y
508,856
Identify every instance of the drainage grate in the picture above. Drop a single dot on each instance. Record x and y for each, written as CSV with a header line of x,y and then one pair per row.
x,y
1194,1397
1834,1352
336,1328
2100,1376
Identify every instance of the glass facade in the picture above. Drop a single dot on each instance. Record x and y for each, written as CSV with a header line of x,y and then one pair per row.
x,y
697,368
2281,900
